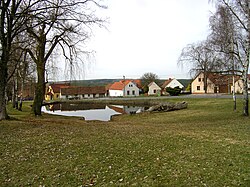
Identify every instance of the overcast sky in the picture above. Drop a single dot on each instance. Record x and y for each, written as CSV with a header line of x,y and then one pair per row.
x,y
147,36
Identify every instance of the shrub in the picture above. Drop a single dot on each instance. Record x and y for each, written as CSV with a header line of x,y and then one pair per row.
x,y
173,91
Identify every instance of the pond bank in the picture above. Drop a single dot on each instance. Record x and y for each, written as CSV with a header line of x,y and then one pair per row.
x,y
113,101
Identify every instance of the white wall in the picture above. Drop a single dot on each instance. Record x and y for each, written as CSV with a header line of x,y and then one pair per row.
x,y
153,87
132,89
115,93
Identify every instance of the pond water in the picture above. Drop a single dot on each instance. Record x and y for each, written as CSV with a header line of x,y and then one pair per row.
x,y
101,112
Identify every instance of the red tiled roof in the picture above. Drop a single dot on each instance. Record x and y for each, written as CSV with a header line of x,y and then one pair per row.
x,y
166,83
119,85
220,79
117,109
138,83
56,87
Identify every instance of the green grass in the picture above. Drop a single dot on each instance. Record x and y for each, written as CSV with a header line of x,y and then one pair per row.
x,y
205,145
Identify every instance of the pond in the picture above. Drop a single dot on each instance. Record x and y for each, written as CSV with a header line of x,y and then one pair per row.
x,y
89,111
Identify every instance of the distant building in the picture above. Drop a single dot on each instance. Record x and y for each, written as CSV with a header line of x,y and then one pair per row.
x,y
124,88
216,83
154,89
172,83
239,85
80,92
53,90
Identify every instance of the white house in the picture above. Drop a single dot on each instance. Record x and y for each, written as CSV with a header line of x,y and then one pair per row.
x,y
172,83
154,89
123,88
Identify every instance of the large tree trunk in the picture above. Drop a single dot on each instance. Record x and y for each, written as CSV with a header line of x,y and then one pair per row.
x,y
3,83
3,112
39,90
40,67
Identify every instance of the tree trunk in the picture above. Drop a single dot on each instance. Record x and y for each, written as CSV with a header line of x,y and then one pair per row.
x,y
205,81
39,91
3,112
245,81
40,67
3,83
245,94
245,76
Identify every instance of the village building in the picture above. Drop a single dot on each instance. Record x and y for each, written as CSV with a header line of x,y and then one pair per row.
x,y
154,89
53,90
79,92
239,85
216,83
172,83
127,88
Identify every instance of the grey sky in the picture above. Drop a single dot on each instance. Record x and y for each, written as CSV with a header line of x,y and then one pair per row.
x,y
147,36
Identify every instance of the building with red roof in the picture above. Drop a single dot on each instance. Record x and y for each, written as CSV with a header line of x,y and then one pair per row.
x,y
124,88
216,83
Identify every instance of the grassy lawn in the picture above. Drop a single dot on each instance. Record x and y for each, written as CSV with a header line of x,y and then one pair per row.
x,y
205,145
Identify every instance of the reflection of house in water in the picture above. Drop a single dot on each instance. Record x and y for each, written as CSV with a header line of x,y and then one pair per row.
x,y
126,109
76,106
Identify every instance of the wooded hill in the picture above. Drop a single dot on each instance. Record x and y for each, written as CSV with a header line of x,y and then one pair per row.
x,y
104,82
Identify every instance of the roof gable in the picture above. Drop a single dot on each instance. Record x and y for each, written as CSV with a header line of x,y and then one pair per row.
x,y
165,84
153,84
121,84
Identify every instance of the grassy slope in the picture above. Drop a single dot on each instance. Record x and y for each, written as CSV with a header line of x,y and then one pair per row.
x,y
204,145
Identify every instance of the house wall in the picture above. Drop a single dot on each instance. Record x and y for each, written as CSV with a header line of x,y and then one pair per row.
x,y
115,93
154,89
47,97
83,96
199,82
131,90
174,83
52,97
239,86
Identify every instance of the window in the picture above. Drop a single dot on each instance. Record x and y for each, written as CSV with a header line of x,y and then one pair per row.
x,y
154,91
199,79
128,92
133,92
198,88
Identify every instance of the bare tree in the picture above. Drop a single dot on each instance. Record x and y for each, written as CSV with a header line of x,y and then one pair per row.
x,y
199,58
12,20
231,33
147,78
63,24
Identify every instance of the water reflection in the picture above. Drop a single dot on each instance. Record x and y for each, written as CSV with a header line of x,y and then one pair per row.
x,y
90,111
